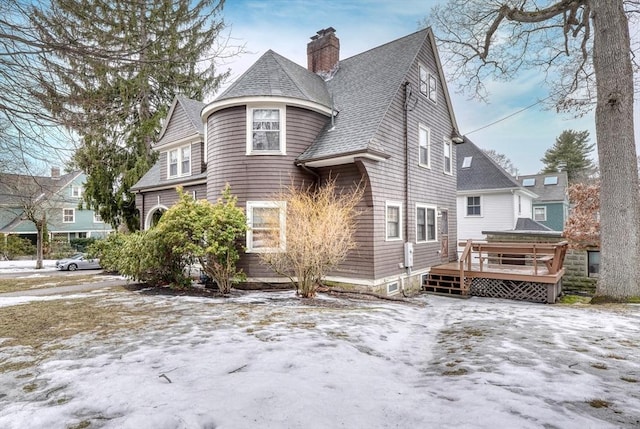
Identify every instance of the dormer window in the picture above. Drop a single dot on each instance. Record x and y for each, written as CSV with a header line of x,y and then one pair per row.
x,y
179,162
266,131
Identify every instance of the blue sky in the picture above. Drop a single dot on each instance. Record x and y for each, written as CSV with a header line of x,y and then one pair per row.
x,y
286,26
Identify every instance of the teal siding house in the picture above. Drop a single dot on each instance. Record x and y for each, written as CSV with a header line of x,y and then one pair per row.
x,y
551,208
59,197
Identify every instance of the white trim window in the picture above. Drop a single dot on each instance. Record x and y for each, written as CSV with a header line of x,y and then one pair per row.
x,y
76,191
474,206
426,223
424,146
179,162
433,88
68,215
448,156
423,78
97,218
393,216
266,220
265,131
540,214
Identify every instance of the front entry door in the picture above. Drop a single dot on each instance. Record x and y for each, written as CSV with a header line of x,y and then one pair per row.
x,y
444,235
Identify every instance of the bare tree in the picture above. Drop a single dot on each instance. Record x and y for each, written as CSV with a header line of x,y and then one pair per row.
x,y
320,227
28,132
502,160
583,49
29,198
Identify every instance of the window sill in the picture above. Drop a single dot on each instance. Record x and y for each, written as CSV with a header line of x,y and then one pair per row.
x,y
266,152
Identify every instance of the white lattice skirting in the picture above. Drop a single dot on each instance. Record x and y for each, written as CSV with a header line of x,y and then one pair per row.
x,y
517,290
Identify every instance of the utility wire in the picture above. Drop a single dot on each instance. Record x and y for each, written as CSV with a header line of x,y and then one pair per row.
x,y
510,115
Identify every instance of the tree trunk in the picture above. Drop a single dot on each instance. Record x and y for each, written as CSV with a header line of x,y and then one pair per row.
x,y
40,242
619,196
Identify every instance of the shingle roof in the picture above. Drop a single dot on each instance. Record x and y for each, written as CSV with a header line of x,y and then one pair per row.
x,y
15,187
527,224
550,192
152,179
275,75
483,173
363,88
19,189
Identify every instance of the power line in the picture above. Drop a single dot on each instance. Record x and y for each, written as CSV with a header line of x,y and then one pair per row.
x,y
510,115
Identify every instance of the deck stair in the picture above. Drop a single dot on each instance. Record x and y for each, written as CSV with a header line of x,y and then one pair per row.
x,y
444,282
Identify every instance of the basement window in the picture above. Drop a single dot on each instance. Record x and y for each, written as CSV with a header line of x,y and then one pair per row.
x,y
392,288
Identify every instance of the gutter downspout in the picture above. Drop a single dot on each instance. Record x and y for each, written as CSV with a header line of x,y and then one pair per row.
x,y
407,96
310,171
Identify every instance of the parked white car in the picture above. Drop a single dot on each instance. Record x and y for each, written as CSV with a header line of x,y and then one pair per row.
x,y
78,262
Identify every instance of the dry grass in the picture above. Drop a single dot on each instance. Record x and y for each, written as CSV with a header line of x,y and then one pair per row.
x,y
40,327
41,282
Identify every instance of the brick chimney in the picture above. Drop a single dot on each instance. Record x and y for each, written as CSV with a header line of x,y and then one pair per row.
x,y
323,51
55,172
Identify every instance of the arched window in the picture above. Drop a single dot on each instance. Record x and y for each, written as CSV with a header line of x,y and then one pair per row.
x,y
154,215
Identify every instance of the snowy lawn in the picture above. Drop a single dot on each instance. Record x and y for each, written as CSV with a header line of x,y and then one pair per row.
x,y
270,360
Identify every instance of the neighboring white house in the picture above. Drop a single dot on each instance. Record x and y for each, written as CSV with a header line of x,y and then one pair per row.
x,y
489,198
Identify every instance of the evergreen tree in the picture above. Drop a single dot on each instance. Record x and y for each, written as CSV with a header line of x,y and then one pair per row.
x,y
570,153
115,67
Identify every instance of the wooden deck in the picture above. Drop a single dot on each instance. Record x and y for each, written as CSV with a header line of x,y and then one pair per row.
x,y
527,271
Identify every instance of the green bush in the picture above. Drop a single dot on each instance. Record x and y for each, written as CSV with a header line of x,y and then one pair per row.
x,y
142,256
12,246
59,248
189,232
81,244
199,231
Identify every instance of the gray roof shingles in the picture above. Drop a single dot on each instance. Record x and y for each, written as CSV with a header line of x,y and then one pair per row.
x,y
274,75
484,173
547,193
362,89
152,179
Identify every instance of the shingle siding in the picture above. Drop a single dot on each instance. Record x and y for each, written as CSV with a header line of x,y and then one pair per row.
x,y
180,126
359,261
426,185
256,177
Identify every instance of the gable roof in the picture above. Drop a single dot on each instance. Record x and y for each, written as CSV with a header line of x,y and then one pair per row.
x,y
363,88
358,94
551,192
483,173
527,224
274,75
151,179
14,188
17,190
191,108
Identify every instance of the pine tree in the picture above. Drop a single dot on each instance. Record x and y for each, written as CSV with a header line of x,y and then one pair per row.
x,y
570,153
115,68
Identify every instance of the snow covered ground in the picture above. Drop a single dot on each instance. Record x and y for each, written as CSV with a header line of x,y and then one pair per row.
x,y
268,360
23,266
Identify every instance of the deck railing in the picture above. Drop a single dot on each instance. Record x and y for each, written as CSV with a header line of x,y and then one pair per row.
x,y
465,259
536,255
